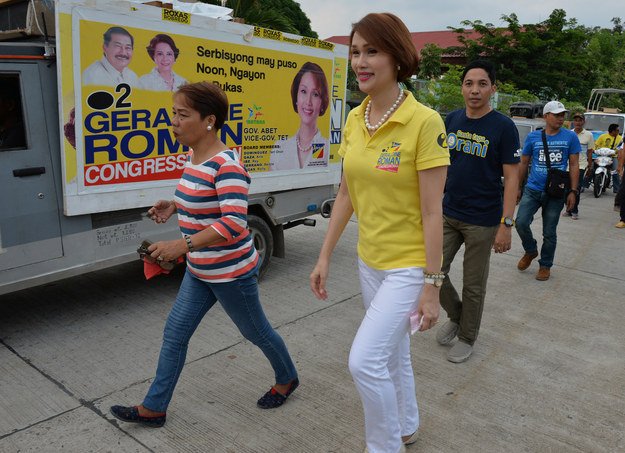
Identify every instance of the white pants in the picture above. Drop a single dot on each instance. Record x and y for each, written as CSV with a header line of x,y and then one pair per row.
x,y
379,360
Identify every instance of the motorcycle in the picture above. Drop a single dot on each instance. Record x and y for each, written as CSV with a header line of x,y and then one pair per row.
x,y
602,175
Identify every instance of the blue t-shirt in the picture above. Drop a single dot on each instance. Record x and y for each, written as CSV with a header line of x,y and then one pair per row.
x,y
561,145
478,148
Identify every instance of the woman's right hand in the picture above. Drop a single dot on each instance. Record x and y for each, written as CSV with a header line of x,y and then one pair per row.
x,y
162,211
318,279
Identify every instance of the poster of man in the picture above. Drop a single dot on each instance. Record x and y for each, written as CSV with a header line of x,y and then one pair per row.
x,y
112,69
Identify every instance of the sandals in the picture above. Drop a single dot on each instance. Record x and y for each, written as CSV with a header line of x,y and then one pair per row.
x,y
131,415
273,399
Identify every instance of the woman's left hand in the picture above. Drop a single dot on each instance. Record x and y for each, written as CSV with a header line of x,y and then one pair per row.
x,y
429,306
168,250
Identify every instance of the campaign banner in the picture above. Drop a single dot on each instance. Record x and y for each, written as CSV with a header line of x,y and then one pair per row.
x,y
119,74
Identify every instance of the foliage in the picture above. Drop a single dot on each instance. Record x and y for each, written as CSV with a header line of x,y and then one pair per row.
x,y
443,94
549,59
430,61
282,15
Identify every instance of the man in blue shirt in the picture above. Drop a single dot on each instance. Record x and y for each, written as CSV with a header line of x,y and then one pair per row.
x,y
483,147
563,148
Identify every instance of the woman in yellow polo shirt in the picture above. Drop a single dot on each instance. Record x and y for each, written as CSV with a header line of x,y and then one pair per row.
x,y
395,164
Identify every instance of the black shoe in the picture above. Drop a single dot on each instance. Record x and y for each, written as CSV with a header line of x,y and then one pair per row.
x,y
131,415
273,399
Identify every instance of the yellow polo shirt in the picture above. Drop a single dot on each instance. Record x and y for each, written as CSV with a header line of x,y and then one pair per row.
x,y
381,174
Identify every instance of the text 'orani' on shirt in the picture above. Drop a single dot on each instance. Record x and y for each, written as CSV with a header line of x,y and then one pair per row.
x,y
478,149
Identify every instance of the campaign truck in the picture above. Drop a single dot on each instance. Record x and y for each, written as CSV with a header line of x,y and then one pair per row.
x,y
86,144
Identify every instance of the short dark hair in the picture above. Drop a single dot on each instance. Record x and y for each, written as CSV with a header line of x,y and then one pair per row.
x,y
322,83
117,30
389,34
207,99
159,39
481,64
612,127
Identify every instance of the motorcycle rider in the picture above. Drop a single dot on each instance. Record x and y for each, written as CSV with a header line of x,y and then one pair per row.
x,y
612,139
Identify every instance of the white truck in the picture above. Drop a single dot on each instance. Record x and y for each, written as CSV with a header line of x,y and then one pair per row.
x,y
598,116
81,159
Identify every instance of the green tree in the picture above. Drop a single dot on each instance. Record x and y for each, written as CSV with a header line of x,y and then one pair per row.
x,y
282,15
549,59
430,61
607,53
443,94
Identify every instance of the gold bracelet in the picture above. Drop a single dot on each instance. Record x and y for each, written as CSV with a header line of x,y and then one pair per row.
x,y
436,275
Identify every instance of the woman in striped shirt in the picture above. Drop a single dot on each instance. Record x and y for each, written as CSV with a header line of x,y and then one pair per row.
x,y
222,263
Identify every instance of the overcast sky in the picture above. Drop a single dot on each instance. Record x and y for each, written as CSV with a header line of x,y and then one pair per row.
x,y
334,17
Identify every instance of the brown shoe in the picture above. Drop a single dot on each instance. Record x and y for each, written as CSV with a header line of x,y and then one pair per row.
x,y
543,274
526,260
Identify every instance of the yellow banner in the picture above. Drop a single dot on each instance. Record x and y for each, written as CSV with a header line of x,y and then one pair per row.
x,y
118,74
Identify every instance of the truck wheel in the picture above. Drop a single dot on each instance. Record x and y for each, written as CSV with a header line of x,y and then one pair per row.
x,y
597,188
263,240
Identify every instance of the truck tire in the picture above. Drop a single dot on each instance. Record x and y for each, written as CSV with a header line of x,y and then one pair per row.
x,y
263,241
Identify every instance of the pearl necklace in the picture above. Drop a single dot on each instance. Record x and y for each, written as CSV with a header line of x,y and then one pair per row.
x,y
388,113
299,145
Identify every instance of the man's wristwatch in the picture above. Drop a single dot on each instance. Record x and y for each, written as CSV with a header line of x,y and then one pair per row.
x,y
507,221
434,278
575,191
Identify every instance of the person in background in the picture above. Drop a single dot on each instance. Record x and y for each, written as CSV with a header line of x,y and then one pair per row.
x,y
483,146
395,160
611,140
112,69
310,98
620,196
585,161
563,149
164,53
222,263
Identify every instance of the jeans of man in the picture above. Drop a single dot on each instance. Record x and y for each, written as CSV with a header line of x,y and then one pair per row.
x,y
240,300
478,243
575,209
531,202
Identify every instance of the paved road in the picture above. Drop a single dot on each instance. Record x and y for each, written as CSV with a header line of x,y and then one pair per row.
x,y
547,375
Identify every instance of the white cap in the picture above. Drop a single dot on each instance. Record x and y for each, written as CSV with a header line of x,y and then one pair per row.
x,y
554,107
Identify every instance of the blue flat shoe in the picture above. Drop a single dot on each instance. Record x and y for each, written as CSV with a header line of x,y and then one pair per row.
x,y
131,415
273,399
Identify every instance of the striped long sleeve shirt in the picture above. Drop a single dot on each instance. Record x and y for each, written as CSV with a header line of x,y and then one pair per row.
x,y
213,194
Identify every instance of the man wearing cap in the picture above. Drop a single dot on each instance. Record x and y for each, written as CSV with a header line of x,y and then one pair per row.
x,y
563,148
585,162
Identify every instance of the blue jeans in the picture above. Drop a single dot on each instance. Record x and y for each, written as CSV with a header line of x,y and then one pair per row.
x,y
241,302
531,201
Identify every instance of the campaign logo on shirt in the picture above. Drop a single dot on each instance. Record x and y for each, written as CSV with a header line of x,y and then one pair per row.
x,y
390,158
317,150
468,143
442,140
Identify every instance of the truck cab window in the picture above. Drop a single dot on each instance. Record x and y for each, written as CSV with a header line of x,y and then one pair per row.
x,y
12,130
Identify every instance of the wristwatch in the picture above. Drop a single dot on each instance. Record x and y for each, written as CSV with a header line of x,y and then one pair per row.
x,y
574,190
507,221
434,278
